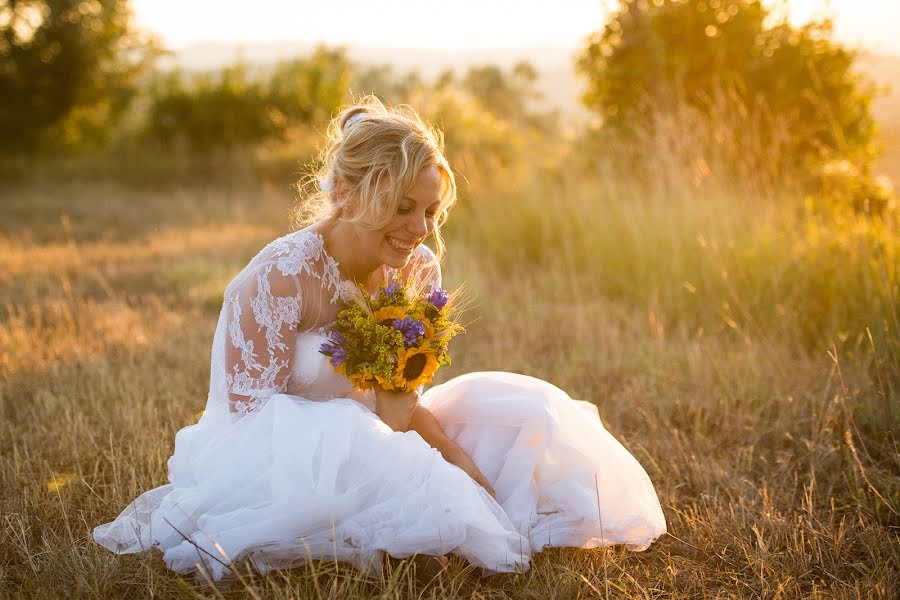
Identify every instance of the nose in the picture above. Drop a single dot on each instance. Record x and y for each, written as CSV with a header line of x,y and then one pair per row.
x,y
417,225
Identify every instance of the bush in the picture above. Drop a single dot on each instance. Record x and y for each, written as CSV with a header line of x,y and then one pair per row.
x,y
231,108
210,111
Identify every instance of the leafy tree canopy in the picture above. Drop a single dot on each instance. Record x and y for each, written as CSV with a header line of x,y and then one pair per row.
x,y
67,69
794,86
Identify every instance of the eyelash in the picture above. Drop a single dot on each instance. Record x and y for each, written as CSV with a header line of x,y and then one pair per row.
x,y
402,210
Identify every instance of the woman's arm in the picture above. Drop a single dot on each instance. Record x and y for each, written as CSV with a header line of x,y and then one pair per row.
x,y
426,425
395,408
428,268
262,313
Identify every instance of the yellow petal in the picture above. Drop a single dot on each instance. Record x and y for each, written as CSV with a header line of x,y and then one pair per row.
x,y
388,312
429,329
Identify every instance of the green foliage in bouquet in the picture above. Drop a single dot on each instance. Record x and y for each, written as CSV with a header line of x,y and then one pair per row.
x,y
396,338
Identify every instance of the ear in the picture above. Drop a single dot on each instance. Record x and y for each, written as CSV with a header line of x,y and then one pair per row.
x,y
342,192
340,188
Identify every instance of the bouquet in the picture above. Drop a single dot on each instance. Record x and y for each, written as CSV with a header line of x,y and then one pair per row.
x,y
396,338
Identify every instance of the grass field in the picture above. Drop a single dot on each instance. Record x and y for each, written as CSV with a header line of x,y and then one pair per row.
x,y
745,352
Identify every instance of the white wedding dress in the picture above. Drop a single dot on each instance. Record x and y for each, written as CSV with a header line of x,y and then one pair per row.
x,y
289,463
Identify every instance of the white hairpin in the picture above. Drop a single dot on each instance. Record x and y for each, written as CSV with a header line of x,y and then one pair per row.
x,y
326,186
355,119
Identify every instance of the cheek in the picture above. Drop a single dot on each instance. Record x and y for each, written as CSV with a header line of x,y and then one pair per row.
x,y
395,224
387,230
374,238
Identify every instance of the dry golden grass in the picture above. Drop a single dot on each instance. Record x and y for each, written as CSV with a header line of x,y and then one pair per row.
x,y
775,463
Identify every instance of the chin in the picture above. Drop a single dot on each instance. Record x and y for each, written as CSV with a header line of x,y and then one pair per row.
x,y
395,258
395,261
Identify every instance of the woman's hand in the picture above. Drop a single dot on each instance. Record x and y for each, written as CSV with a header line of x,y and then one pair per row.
x,y
426,425
395,408
455,455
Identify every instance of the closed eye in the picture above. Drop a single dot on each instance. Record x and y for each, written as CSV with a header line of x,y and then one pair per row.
x,y
405,210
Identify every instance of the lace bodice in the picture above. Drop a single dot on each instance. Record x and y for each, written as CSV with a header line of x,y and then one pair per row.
x,y
274,315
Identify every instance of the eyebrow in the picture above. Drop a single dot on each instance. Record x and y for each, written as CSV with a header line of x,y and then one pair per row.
x,y
414,201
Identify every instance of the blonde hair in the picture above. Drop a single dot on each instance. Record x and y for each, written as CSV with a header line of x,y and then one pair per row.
x,y
377,156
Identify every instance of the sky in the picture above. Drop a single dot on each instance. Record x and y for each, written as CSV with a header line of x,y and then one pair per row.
x,y
444,25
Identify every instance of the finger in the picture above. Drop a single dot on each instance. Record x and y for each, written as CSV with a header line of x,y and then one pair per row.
x,y
486,485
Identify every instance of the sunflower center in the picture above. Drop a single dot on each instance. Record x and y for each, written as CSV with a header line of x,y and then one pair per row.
x,y
414,366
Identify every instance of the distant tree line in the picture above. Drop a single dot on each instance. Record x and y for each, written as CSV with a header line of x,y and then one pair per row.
x,y
232,107
695,81
76,78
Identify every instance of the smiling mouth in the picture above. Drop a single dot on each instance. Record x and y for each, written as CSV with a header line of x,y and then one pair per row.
x,y
399,246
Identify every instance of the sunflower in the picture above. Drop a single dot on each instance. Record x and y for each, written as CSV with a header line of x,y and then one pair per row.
x,y
363,381
386,383
415,366
386,315
429,328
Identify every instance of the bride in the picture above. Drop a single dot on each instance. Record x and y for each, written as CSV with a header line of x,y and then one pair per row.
x,y
290,463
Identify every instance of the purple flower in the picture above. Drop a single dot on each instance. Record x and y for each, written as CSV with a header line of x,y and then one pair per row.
x,y
390,289
334,349
410,328
438,297
337,353
339,356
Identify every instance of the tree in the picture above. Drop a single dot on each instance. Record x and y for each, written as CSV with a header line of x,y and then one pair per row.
x,y
793,86
231,108
384,82
208,111
309,89
505,94
68,69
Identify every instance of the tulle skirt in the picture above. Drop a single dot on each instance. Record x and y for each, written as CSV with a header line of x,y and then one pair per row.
x,y
299,479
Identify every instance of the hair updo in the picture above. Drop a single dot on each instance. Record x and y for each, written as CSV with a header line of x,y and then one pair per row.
x,y
372,155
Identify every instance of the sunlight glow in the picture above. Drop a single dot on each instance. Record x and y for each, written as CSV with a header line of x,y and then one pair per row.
x,y
463,25
60,481
430,24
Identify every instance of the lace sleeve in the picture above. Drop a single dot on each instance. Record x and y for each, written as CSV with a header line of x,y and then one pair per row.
x,y
262,316
424,266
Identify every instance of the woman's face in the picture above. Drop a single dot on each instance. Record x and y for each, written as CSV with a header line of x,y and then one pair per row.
x,y
413,222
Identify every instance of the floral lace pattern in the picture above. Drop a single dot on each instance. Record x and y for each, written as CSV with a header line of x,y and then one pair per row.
x,y
269,290
251,377
263,311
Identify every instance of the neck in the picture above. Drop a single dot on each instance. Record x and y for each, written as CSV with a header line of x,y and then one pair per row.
x,y
343,244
